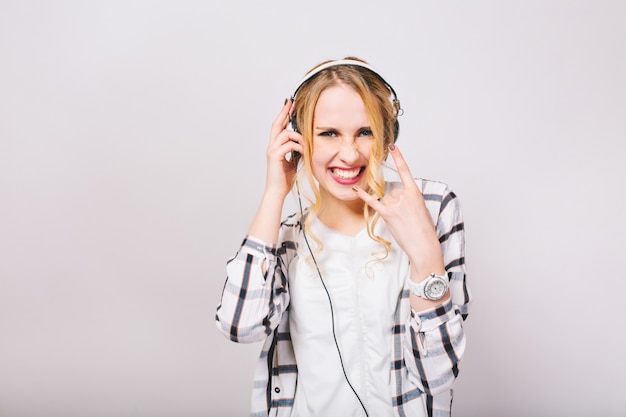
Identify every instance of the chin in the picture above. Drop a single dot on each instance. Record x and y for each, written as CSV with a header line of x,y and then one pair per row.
x,y
345,195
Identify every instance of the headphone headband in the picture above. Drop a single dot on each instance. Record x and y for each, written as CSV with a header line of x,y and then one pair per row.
x,y
350,62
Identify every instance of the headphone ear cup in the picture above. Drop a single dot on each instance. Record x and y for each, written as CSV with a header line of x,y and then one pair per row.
x,y
396,130
294,124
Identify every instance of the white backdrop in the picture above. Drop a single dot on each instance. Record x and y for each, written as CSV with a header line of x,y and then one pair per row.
x,y
132,139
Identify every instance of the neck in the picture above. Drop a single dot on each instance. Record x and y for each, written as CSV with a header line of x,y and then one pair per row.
x,y
342,216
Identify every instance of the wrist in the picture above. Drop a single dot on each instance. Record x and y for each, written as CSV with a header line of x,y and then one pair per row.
x,y
423,266
424,251
275,194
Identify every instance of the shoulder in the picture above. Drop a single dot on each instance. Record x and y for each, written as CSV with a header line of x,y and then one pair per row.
x,y
438,197
439,192
290,226
294,220
431,189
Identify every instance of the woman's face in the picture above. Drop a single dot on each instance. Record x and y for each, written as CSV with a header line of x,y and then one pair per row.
x,y
342,143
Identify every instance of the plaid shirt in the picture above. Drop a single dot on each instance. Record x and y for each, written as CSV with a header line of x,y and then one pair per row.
x,y
427,346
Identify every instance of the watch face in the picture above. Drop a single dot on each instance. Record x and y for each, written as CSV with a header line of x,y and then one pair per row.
x,y
436,288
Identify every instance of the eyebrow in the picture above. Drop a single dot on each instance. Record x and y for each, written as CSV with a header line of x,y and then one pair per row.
x,y
334,128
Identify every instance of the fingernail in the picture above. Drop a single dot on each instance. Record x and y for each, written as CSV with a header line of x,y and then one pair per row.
x,y
392,147
355,188
286,100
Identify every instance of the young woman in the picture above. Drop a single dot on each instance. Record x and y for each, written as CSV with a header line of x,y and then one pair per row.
x,y
359,298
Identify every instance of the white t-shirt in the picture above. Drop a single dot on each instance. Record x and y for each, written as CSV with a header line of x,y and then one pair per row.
x,y
364,294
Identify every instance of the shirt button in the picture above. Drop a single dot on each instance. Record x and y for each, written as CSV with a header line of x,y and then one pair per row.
x,y
277,390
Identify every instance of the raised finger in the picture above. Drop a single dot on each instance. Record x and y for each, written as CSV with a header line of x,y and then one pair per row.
x,y
281,121
403,168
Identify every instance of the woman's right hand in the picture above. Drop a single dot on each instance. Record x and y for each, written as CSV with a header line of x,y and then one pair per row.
x,y
280,170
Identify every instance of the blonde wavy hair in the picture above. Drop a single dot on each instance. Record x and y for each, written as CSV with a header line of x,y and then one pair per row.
x,y
382,116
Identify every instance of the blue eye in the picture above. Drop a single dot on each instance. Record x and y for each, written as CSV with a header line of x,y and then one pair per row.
x,y
365,132
328,133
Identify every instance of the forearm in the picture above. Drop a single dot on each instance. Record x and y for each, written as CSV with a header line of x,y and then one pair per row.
x,y
426,261
435,338
266,222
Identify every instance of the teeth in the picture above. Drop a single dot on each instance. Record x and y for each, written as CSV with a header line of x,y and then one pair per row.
x,y
346,174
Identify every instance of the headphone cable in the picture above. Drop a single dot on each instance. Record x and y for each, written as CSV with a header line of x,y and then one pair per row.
x,y
332,313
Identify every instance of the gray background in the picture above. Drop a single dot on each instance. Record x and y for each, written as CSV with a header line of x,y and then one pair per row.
x,y
132,140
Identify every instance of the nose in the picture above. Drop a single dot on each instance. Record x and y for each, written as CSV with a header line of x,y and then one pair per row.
x,y
348,152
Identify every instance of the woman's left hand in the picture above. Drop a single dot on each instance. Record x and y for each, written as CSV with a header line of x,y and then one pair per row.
x,y
408,219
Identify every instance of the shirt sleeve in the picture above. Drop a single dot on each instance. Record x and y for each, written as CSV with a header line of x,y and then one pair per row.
x,y
255,294
435,339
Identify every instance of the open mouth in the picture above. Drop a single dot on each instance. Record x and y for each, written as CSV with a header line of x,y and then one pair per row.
x,y
347,174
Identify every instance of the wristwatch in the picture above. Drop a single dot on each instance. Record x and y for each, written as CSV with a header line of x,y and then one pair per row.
x,y
432,288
